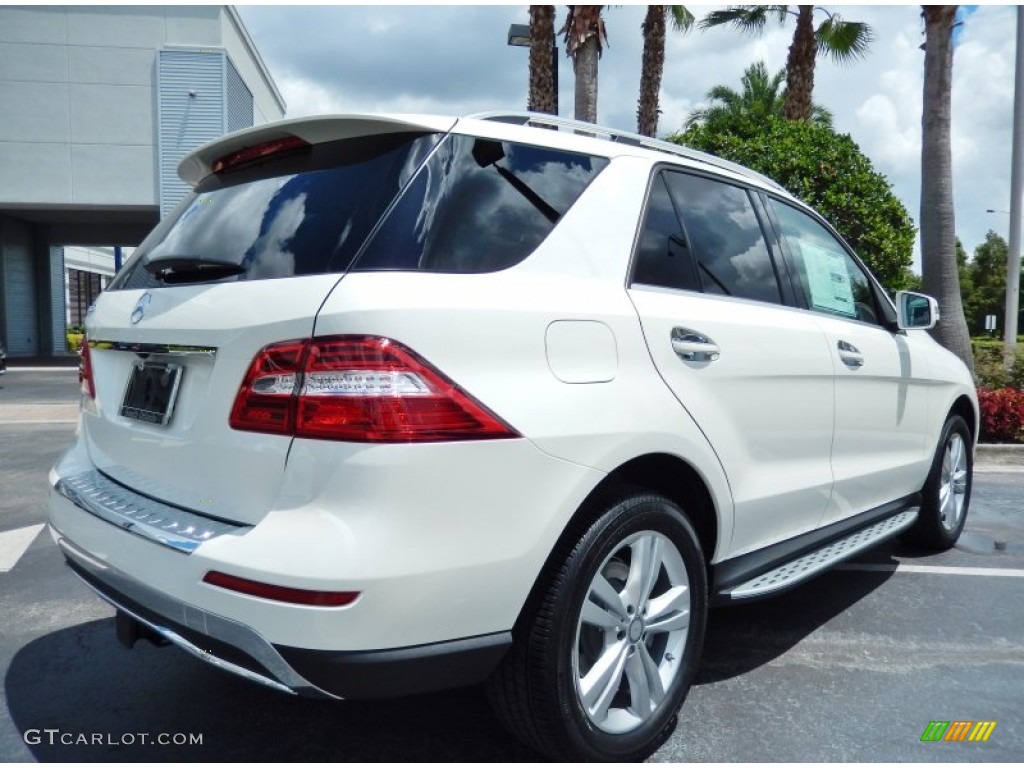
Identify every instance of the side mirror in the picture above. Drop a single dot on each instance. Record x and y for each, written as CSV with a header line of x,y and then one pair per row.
x,y
916,311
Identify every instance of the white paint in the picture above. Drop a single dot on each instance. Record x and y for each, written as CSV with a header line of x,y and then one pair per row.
x,y
945,570
13,545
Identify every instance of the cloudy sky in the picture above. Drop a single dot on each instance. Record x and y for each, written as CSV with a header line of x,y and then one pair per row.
x,y
455,60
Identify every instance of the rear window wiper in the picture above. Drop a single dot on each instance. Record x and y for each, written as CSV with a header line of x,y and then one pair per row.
x,y
191,269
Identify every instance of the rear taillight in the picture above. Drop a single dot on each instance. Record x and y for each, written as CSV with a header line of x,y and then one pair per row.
x,y
266,401
85,381
359,389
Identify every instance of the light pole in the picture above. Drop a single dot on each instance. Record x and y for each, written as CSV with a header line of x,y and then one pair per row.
x,y
1016,190
519,36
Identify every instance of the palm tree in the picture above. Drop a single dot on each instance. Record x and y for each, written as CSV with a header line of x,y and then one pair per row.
x,y
653,62
938,238
543,97
744,112
584,40
844,41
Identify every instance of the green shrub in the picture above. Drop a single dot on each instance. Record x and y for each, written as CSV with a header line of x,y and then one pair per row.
x,y
989,371
74,340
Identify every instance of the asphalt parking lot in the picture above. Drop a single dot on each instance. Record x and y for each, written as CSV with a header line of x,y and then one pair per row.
x,y
850,667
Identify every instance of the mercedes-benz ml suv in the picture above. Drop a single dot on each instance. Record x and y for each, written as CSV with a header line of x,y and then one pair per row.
x,y
395,404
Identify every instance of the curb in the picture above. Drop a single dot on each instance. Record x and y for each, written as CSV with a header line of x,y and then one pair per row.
x,y
1000,454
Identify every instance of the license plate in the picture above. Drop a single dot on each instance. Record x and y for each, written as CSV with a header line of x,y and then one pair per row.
x,y
151,392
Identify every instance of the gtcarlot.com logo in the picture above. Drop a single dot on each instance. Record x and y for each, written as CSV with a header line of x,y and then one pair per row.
x,y
53,737
958,730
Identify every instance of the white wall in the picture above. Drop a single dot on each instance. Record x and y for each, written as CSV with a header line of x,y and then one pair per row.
x,y
268,104
77,96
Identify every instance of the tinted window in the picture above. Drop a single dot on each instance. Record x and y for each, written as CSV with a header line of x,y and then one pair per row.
x,y
662,257
294,216
726,238
479,205
831,281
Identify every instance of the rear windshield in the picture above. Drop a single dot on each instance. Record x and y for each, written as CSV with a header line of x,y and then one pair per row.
x,y
476,205
304,214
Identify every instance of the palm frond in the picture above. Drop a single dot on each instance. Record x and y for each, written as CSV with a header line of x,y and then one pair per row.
x,y
821,115
682,19
844,41
696,117
750,19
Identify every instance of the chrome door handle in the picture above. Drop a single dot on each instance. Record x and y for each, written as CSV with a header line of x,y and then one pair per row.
x,y
693,346
850,355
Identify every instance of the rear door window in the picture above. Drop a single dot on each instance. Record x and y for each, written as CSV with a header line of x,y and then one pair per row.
x,y
725,235
662,255
479,205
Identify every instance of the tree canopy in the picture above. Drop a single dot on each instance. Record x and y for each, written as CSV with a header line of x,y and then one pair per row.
x,y
984,290
829,172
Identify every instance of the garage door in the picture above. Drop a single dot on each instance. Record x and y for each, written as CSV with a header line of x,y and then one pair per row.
x,y
20,302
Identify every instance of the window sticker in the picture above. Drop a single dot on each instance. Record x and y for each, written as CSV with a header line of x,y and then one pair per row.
x,y
828,280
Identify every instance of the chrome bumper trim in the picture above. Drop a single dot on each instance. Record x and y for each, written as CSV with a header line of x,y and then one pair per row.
x,y
228,631
176,350
173,527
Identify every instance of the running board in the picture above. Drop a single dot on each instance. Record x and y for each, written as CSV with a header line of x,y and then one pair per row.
x,y
791,573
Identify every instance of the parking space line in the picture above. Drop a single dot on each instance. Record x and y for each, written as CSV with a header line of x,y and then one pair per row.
x,y
10,422
13,544
946,570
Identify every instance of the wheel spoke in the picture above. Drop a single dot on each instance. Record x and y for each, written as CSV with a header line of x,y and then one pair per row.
x,y
599,616
639,690
644,567
957,454
945,504
607,596
653,675
670,611
601,683
960,481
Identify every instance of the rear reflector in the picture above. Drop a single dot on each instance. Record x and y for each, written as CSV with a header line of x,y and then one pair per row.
x,y
248,155
358,389
280,594
85,381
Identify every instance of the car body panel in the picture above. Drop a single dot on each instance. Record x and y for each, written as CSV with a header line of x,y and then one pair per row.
x,y
446,540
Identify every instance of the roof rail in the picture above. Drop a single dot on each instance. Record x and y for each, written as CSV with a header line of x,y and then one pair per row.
x,y
540,120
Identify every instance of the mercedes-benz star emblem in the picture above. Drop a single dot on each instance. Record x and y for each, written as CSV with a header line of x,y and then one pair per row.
x,y
140,307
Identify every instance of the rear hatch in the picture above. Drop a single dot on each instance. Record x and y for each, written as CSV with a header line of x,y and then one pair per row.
x,y
245,261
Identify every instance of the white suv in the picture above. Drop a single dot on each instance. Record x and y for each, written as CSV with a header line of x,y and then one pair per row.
x,y
395,404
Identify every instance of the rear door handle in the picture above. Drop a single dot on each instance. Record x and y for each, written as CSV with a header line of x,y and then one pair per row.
x,y
850,355
693,346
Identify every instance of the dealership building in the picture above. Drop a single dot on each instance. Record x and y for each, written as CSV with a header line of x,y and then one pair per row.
x,y
97,107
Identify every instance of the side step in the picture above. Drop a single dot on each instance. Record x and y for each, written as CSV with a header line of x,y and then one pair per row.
x,y
804,567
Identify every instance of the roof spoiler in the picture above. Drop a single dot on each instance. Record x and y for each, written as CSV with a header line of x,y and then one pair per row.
x,y
198,164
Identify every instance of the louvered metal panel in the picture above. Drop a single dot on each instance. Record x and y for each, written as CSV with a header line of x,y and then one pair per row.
x,y
239,101
191,110
58,341
20,301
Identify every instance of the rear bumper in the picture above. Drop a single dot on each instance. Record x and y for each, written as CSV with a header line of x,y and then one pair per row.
x,y
241,650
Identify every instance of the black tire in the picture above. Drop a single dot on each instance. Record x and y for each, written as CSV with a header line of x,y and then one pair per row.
x,y
537,690
946,495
